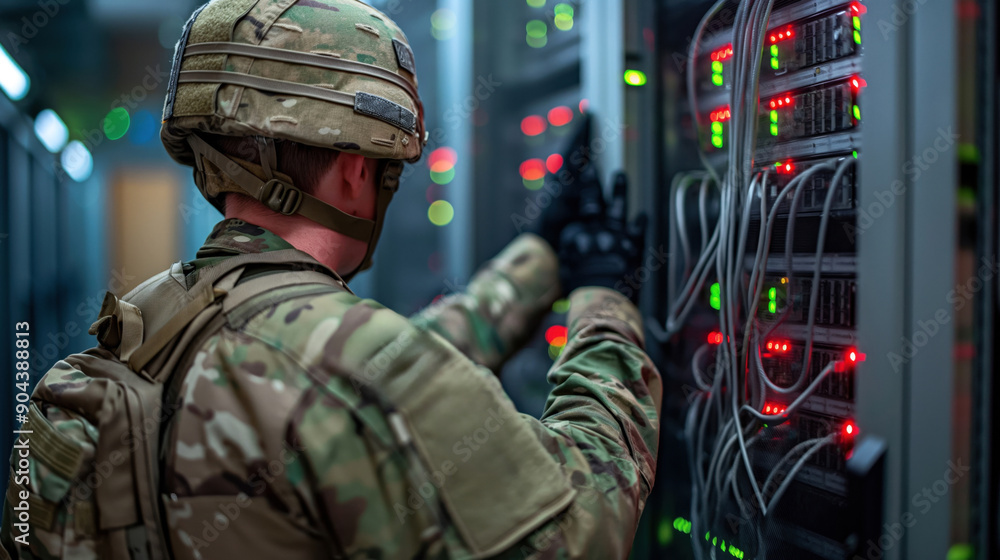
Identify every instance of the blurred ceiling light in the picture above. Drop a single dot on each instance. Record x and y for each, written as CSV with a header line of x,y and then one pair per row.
x,y
77,161
51,130
13,80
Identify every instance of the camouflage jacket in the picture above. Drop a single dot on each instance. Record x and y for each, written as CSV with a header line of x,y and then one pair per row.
x,y
330,426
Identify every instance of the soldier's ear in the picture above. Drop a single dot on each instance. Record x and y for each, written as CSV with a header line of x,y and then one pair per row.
x,y
354,174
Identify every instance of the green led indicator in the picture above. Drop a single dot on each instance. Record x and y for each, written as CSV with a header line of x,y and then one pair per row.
x,y
857,112
443,177
857,23
774,116
536,28
774,50
774,130
715,300
777,164
536,3
716,128
635,78
563,22
561,306
717,79
717,140
564,9
716,66
117,123
774,63
855,154
961,551
772,297
857,37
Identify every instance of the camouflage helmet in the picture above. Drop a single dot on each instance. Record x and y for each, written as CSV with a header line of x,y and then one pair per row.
x,y
334,74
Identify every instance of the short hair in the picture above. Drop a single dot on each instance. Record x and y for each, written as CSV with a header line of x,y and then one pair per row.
x,y
305,164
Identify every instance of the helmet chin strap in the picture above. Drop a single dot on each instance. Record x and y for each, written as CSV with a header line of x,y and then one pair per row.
x,y
283,197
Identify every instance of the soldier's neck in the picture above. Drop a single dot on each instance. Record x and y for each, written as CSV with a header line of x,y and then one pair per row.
x,y
335,250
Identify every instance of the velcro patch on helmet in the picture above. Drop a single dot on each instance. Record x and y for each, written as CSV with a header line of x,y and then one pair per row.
x,y
168,108
385,110
404,56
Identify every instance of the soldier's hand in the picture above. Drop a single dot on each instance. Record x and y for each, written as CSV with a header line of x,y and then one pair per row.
x,y
566,185
602,248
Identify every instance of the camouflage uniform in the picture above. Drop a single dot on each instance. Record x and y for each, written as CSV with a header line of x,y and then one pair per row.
x,y
284,421
327,425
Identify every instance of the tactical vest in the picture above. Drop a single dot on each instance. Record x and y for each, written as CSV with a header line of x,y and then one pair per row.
x,y
98,496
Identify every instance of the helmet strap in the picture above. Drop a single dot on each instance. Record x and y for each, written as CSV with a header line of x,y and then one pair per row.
x,y
389,171
268,156
280,194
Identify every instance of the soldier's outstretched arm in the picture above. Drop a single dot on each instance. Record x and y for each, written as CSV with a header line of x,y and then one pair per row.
x,y
601,423
503,304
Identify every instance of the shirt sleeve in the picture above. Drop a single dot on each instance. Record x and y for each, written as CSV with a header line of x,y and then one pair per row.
x,y
601,423
502,305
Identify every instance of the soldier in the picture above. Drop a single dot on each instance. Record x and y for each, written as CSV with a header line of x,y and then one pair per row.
x,y
318,424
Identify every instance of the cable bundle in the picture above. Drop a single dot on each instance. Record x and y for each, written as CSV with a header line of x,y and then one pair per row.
x,y
726,420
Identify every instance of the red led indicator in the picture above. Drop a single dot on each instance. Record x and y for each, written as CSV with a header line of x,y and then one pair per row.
x,y
858,83
554,163
779,346
720,115
786,33
723,53
715,337
774,409
785,168
782,101
560,116
532,169
442,160
533,125
850,430
857,8
555,334
853,356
